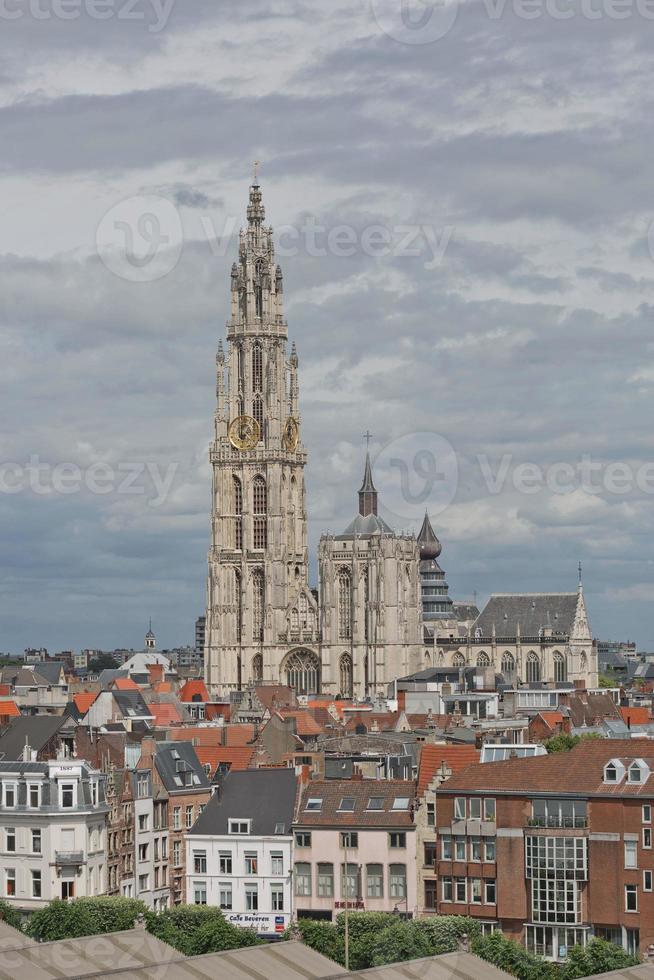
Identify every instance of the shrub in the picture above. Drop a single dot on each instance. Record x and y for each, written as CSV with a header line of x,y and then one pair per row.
x,y
11,916
84,917
194,929
444,932
513,958
597,957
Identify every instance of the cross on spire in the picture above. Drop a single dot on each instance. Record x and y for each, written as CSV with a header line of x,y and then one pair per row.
x,y
368,437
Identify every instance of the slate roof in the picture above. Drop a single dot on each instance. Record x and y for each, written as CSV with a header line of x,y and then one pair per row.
x,y
36,729
555,611
580,771
332,791
131,704
366,527
173,760
264,796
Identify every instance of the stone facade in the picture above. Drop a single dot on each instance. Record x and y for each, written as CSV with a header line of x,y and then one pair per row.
x,y
263,622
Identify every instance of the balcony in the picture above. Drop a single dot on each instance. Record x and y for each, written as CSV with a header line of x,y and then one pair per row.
x,y
69,857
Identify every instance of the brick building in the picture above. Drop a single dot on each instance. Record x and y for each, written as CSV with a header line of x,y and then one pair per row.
x,y
554,849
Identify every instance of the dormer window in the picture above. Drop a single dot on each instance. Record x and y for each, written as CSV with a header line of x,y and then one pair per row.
x,y
638,771
347,804
614,771
610,773
314,804
241,827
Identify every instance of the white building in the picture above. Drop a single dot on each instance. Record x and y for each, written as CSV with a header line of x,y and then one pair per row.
x,y
238,854
53,819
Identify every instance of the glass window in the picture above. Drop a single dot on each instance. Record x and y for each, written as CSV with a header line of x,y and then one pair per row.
x,y
325,880
475,808
376,803
252,898
349,881
647,837
631,898
10,882
10,839
225,896
447,893
489,849
490,891
475,891
647,881
349,838
303,838
314,804
459,808
489,810
36,884
430,853
277,896
302,878
397,879
459,848
177,818
199,863
475,848
239,827
67,795
277,864
225,862
630,854
347,804
34,795
36,841
397,839
446,847
460,890
647,813
430,895
199,892
375,881
431,814
189,817
401,803
251,864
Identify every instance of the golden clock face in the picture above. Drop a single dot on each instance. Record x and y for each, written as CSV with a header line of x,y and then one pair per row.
x,y
291,435
244,433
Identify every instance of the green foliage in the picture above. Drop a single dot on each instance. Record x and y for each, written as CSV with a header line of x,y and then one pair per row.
x,y
10,916
606,681
84,917
563,742
105,661
597,957
513,958
195,929
377,938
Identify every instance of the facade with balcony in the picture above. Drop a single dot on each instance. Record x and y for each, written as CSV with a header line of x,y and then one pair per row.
x,y
568,854
53,837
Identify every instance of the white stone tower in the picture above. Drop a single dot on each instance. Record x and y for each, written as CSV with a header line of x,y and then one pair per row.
x,y
260,611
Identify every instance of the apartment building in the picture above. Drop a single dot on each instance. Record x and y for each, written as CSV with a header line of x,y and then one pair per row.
x,y
177,772
553,849
53,818
239,851
355,847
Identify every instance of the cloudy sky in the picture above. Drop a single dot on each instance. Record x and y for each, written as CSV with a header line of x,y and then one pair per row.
x,y
463,197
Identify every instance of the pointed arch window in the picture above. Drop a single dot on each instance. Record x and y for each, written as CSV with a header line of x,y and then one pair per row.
x,y
533,669
238,514
258,604
560,669
458,660
257,368
257,668
302,670
345,670
260,510
508,663
483,660
238,602
257,411
367,613
258,288
344,605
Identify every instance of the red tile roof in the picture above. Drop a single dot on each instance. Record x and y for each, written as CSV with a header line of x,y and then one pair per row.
x,y
165,714
455,757
579,771
124,684
9,709
551,718
332,791
306,723
238,756
194,690
84,700
238,734
636,716
198,736
276,696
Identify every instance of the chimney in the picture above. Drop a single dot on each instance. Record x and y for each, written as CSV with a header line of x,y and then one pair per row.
x,y
401,700
148,752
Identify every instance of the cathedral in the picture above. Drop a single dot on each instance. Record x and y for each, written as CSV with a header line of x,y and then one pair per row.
x,y
363,627
382,609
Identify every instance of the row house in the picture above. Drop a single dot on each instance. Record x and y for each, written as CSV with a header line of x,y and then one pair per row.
x,y
53,818
554,849
355,847
239,851
437,763
176,772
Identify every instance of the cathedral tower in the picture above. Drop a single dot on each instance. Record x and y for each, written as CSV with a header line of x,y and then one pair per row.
x,y
260,611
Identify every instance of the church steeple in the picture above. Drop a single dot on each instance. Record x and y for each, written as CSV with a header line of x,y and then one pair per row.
x,y
430,546
367,493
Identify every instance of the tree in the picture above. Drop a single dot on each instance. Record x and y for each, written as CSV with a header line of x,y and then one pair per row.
x,y
564,742
597,957
194,929
84,917
104,661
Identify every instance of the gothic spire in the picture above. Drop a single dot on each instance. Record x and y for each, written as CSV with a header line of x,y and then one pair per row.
x,y
367,493
430,546
256,210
